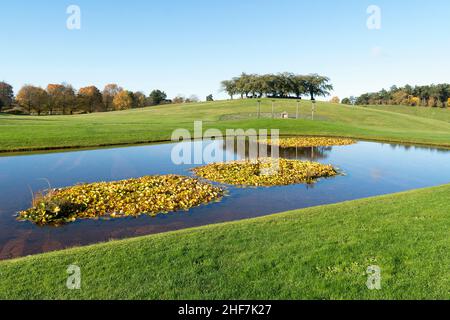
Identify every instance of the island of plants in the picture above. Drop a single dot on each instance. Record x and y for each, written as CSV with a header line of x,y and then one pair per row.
x,y
306,142
149,195
265,172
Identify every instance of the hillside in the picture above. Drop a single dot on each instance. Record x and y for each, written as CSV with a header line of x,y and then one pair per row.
x,y
26,133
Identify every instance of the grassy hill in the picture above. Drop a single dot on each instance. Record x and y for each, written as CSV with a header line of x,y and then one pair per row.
x,y
151,124
315,253
441,114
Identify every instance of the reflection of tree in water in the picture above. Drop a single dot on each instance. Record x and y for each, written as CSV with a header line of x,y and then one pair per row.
x,y
408,147
301,153
312,153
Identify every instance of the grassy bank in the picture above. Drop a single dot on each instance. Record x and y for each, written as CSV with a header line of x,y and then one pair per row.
x,y
25,133
315,253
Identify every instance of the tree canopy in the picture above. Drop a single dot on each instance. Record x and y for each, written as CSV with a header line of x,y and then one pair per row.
x,y
157,97
282,85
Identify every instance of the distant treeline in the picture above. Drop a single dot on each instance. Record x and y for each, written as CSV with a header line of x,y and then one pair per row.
x,y
426,96
282,85
64,99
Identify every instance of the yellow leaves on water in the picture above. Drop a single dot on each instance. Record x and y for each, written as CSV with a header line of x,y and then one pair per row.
x,y
310,142
265,172
147,195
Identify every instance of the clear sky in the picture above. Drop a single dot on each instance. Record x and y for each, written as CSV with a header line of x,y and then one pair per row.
x,y
189,46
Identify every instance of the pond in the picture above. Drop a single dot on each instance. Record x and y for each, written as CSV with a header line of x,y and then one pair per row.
x,y
370,169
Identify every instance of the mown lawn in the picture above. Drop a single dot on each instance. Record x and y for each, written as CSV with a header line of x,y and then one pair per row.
x,y
157,123
315,253
441,114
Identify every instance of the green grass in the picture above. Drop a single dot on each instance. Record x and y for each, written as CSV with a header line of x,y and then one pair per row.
x,y
315,253
25,133
441,114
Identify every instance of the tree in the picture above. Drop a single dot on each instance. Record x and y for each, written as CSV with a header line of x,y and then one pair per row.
x,y
346,101
335,100
192,99
41,102
32,98
400,97
299,85
317,85
90,99
25,97
179,99
68,99
139,100
229,86
108,94
210,98
55,96
443,93
6,95
157,97
123,100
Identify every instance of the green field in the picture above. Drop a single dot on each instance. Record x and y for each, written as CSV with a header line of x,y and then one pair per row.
x,y
315,253
26,133
441,114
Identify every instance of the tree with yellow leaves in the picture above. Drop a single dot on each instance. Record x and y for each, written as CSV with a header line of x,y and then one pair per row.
x,y
123,100
90,99
335,100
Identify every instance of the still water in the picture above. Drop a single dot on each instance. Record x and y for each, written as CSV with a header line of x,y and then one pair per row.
x,y
370,169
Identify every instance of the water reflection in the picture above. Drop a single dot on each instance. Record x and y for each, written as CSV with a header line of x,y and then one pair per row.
x,y
370,168
310,153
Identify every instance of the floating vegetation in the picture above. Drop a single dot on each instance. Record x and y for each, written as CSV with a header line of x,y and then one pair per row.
x,y
310,142
149,195
265,172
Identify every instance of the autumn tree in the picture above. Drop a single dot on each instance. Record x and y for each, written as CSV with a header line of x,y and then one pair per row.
x,y
68,99
335,100
429,95
123,100
192,99
178,99
6,95
108,94
90,99
139,99
59,96
32,98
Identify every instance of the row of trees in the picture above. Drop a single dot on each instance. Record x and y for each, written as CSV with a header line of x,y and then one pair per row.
x,y
426,96
64,99
282,85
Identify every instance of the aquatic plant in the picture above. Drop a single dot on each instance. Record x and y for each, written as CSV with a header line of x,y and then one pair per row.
x,y
265,172
149,195
309,142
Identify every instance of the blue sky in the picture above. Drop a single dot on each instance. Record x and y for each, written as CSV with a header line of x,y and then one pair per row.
x,y
189,46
